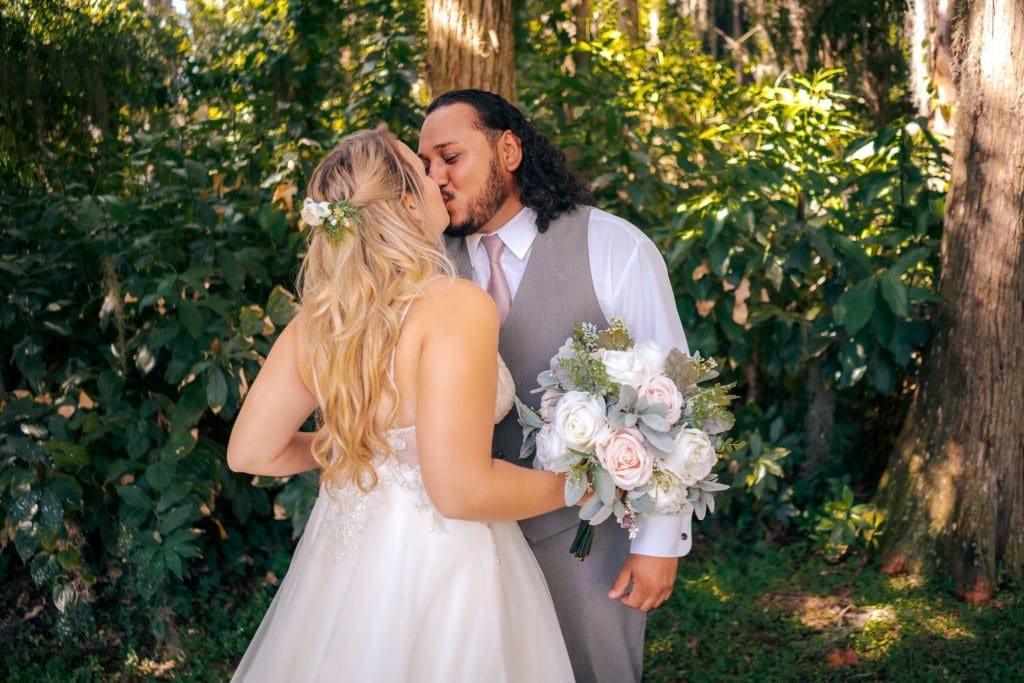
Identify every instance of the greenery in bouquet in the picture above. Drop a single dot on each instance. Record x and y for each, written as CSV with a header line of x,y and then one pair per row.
x,y
641,426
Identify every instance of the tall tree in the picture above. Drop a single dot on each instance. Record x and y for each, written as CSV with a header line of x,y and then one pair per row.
x,y
470,45
954,487
931,70
629,20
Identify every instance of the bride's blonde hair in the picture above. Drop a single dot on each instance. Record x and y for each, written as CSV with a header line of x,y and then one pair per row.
x,y
354,289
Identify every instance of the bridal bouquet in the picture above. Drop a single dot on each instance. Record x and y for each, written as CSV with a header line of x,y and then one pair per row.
x,y
632,420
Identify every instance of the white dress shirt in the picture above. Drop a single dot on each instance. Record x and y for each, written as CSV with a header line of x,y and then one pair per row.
x,y
631,283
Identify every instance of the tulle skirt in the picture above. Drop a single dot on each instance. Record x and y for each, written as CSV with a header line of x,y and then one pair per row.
x,y
382,588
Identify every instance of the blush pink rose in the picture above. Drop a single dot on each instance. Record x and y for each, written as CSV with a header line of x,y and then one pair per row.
x,y
663,390
623,454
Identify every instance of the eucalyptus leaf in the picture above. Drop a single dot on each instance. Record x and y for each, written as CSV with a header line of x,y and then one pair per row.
x,y
604,513
604,487
627,398
659,440
529,446
575,489
643,504
655,422
591,508
528,417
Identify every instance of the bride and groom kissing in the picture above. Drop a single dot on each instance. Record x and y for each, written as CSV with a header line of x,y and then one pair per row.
x,y
412,566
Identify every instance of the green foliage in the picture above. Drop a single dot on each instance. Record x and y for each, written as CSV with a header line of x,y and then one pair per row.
x,y
145,278
802,243
843,525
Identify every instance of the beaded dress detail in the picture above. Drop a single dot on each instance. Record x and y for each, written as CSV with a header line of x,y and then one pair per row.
x,y
382,587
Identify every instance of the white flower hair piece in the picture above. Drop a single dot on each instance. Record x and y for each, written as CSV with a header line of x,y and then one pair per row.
x,y
336,219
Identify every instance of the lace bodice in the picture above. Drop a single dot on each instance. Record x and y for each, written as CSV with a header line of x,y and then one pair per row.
x,y
506,392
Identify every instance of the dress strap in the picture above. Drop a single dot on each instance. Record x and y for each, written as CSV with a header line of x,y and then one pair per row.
x,y
401,322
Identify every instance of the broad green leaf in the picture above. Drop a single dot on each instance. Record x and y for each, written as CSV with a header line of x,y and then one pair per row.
x,y
160,474
133,495
895,294
190,317
250,320
216,388
176,518
853,309
281,306
67,454
51,508
69,558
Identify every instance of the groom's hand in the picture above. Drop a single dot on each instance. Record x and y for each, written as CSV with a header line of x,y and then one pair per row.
x,y
652,578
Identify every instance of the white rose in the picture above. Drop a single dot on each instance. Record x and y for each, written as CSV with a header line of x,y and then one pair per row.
x,y
635,366
552,453
623,454
692,456
314,213
669,496
663,390
547,404
579,417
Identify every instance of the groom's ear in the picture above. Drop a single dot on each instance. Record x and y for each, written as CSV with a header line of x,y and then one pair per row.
x,y
510,151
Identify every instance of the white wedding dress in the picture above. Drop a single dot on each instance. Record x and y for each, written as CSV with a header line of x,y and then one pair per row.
x,y
383,589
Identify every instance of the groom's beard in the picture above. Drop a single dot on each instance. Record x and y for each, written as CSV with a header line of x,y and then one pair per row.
x,y
483,208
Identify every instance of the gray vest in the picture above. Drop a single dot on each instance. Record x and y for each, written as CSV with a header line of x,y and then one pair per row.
x,y
557,292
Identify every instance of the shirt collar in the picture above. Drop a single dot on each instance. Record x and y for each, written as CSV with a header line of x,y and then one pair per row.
x,y
518,234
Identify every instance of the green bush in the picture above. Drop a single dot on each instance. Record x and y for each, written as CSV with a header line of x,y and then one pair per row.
x,y
145,276
802,241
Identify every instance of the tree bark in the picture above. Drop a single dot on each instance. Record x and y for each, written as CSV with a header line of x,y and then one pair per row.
x,y
953,491
470,45
629,20
933,82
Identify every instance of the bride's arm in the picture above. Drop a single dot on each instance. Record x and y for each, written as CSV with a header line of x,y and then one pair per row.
x,y
266,439
456,386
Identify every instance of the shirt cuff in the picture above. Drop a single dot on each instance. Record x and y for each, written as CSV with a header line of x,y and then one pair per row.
x,y
664,535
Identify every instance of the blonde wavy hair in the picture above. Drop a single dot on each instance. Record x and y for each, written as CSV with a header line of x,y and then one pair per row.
x,y
354,290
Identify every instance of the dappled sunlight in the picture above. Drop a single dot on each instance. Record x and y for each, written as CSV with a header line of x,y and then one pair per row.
x,y
825,613
945,475
464,30
712,585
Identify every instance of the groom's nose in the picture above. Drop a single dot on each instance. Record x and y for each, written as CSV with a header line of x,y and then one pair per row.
x,y
438,175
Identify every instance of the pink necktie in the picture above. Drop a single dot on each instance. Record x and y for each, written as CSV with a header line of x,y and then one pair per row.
x,y
497,285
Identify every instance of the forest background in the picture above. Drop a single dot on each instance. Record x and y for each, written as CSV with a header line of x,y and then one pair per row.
x,y
793,161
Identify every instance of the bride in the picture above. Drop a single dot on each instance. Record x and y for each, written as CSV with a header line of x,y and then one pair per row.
x,y
411,567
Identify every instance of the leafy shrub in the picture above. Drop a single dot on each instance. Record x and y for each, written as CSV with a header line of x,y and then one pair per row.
x,y
802,244
144,280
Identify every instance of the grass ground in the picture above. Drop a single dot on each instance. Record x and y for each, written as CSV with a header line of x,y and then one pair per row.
x,y
740,612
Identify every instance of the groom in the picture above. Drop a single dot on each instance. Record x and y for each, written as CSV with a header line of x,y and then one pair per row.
x,y
522,227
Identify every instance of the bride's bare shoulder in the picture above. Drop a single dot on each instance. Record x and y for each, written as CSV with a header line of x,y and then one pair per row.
x,y
459,299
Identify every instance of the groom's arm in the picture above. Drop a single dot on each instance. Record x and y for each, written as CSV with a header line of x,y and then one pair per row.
x,y
631,282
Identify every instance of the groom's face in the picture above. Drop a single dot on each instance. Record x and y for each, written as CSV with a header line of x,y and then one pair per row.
x,y
463,160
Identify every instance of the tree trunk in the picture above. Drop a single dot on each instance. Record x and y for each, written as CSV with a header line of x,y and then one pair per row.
x,y
469,45
953,492
629,20
932,80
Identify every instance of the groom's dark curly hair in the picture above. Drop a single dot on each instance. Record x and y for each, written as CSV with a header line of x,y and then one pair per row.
x,y
546,183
